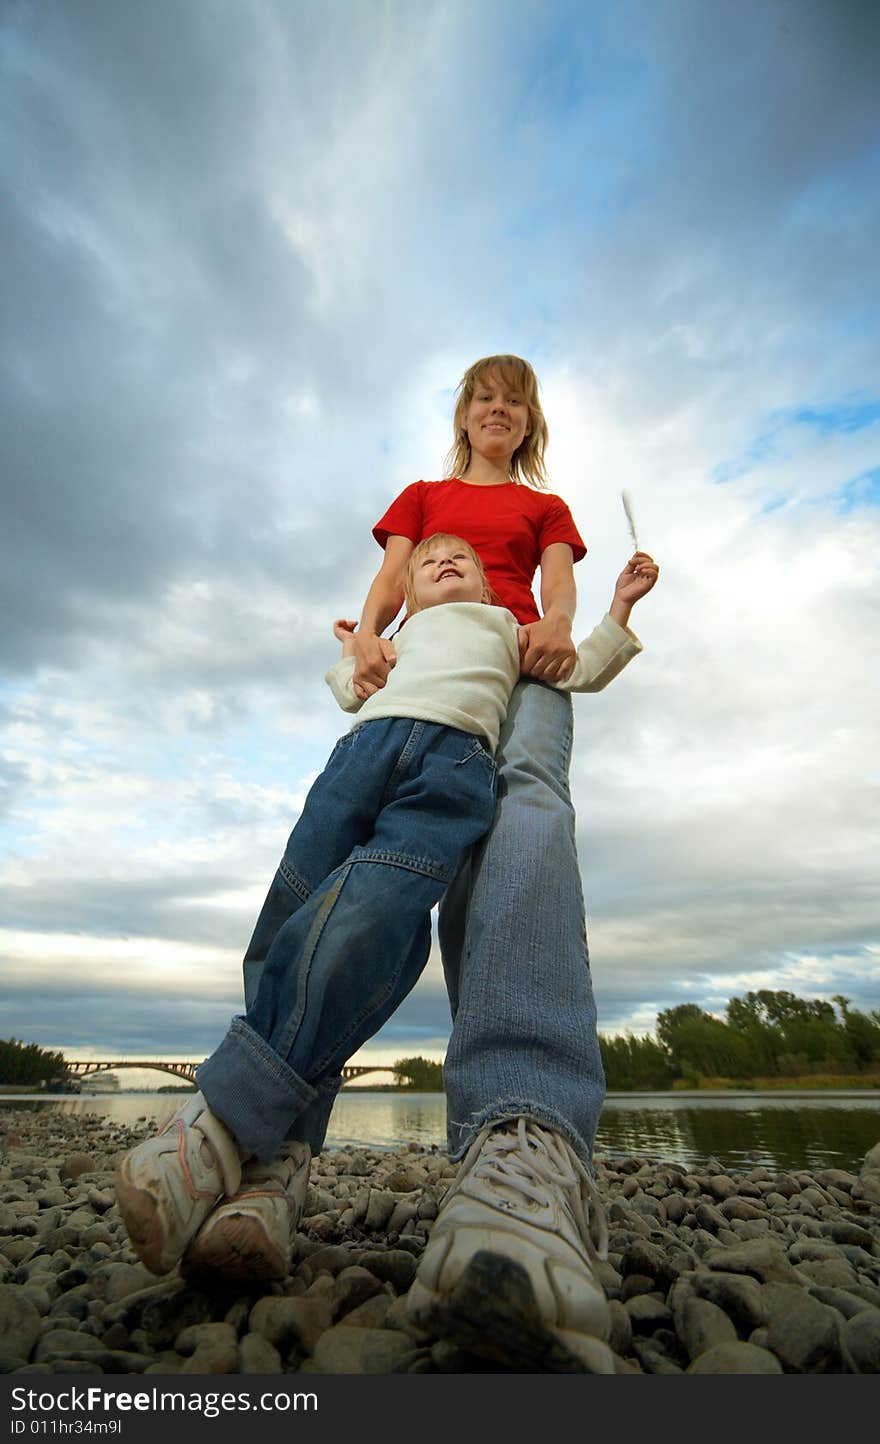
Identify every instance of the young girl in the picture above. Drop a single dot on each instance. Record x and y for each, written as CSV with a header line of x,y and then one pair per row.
x,y
382,831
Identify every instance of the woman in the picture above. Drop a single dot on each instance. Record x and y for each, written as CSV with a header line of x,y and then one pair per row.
x,y
510,1269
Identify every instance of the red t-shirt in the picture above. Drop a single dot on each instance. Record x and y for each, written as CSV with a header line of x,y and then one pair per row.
x,y
509,527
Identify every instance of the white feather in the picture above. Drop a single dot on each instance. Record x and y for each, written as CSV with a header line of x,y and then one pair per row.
x,y
627,506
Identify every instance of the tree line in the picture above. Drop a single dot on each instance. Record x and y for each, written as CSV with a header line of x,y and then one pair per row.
x,y
772,1035
22,1063
766,1035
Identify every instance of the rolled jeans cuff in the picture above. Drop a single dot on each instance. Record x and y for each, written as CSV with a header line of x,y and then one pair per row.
x,y
253,1090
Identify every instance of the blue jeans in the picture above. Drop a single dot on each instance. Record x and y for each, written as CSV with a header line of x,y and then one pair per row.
x,y
345,930
514,945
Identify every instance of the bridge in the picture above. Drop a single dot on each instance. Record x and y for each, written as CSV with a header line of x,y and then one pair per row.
x,y
187,1071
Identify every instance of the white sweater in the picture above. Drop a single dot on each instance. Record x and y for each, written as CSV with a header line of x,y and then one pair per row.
x,y
458,662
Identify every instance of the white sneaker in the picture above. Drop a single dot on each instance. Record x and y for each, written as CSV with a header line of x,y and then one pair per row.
x,y
509,1270
167,1186
249,1236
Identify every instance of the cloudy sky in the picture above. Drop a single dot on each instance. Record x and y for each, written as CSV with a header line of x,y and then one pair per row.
x,y
249,247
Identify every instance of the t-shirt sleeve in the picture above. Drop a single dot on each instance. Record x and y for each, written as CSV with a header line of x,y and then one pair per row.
x,y
403,517
557,525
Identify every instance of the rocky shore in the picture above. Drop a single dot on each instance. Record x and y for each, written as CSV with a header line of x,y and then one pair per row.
x,y
708,1272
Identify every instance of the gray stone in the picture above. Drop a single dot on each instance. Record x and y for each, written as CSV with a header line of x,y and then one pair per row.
x,y
393,1265
371,1314
860,1342
216,1351
846,1303
643,1257
66,1344
739,1296
76,1164
843,1230
738,1208
291,1321
647,1312
346,1350
835,1273
709,1217
721,1186
801,1331
738,1358
353,1286
257,1356
621,1334
653,1359
701,1326
763,1258
20,1323
403,1212
635,1284
380,1207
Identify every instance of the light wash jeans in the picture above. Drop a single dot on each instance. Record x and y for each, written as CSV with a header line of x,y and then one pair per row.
x,y
514,945
345,930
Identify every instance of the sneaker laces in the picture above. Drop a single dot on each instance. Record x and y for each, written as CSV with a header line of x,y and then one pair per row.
x,y
521,1157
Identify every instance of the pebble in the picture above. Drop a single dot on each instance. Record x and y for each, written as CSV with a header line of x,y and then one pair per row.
x,y
709,1271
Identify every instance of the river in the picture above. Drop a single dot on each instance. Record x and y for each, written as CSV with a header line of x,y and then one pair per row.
x,y
740,1130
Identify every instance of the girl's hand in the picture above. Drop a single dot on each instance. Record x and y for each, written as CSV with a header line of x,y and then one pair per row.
x,y
374,658
636,579
344,632
546,649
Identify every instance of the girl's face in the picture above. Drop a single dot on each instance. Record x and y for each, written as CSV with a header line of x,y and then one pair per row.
x,y
497,420
447,573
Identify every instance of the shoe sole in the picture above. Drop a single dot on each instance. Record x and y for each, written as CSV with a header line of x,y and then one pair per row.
x,y
237,1246
143,1225
491,1311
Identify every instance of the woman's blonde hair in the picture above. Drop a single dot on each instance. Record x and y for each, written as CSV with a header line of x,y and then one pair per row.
x,y
527,462
440,538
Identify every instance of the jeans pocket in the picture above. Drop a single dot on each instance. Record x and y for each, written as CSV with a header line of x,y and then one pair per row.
x,y
480,755
344,743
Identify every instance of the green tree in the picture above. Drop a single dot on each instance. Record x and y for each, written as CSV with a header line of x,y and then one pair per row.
x,y
631,1062
420,1075
23,1063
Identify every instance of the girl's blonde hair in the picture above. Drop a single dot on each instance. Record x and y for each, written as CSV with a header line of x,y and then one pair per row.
x,y
440,538
527,462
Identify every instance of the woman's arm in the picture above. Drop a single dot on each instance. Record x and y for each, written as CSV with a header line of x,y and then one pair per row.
x,y
374,655
545,647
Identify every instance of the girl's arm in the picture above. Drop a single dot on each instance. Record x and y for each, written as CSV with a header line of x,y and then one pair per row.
x,y
545,647
635,581
374,655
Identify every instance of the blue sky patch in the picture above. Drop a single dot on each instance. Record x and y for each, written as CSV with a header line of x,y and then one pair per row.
x,y
844,417
863,490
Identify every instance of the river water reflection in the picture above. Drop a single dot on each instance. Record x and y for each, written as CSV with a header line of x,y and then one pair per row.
x,y
740,1130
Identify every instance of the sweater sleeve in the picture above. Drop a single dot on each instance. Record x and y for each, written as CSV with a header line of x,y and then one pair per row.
x,y
339,681
601,655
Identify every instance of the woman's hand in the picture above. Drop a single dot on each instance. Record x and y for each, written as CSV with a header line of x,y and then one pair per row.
x,y
546,649
373,659
636,579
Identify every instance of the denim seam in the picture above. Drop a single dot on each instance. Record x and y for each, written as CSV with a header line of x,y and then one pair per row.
x,y
375,1002
294,881
423,865
294,1022
403,761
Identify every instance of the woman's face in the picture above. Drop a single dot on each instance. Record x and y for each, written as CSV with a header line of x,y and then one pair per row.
x,y
497,420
